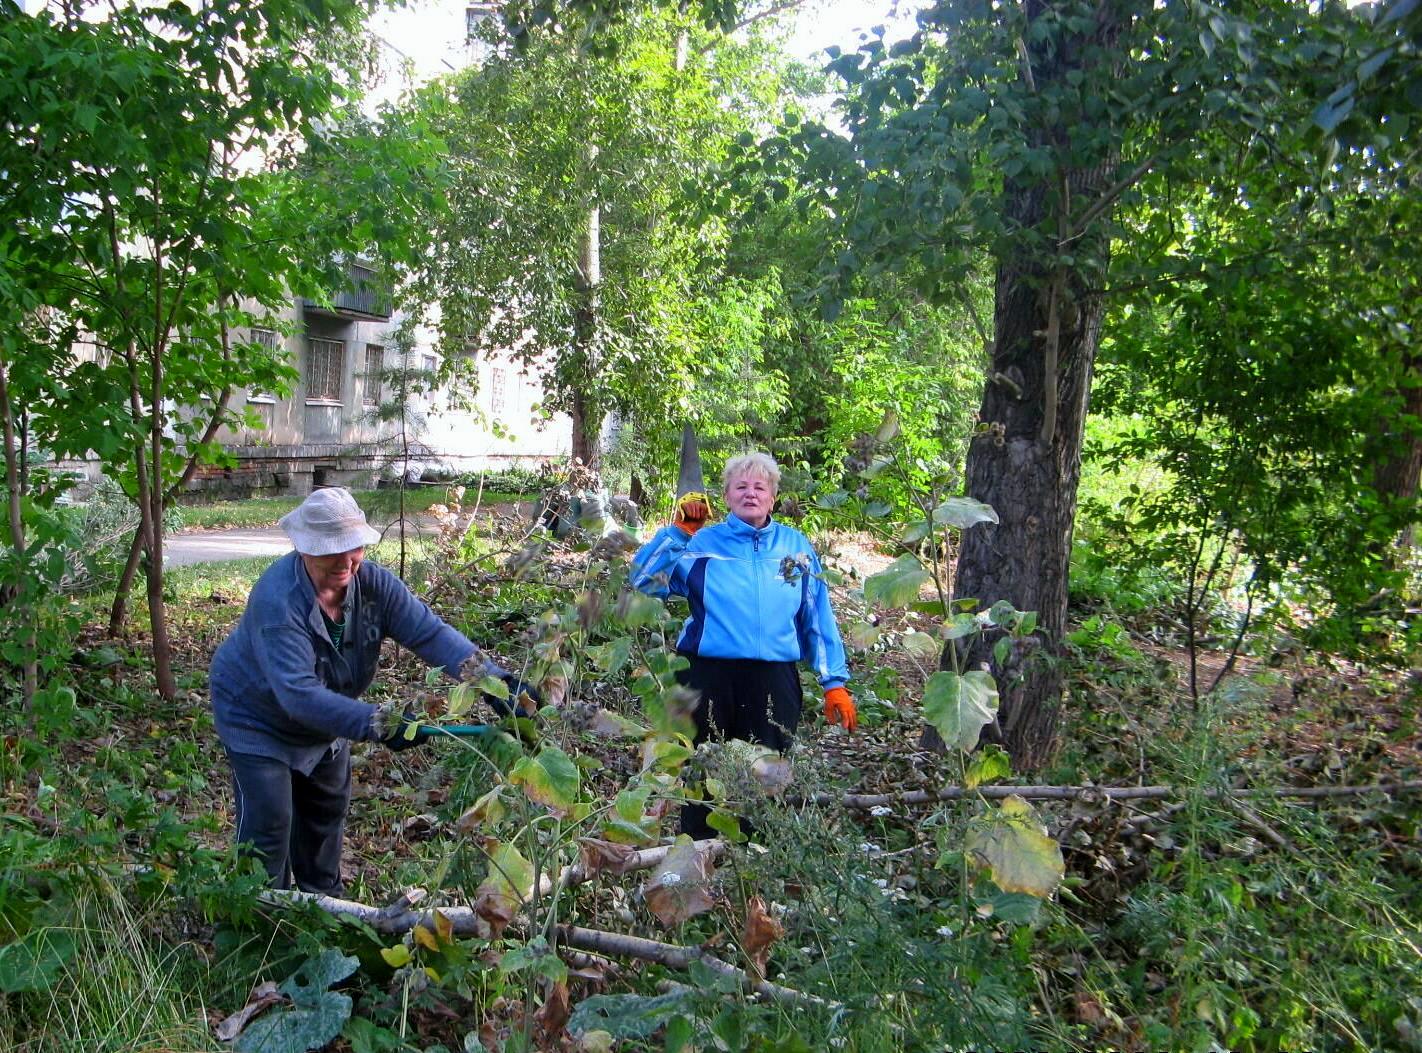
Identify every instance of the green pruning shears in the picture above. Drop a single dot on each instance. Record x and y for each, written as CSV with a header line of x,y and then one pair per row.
x,y
463,731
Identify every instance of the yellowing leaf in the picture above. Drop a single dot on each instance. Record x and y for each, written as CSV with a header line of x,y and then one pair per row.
x,y
426,939
462,698
486,811
508,884
960,706
1012,844
396,956
444,927
989,763
920,645
550,779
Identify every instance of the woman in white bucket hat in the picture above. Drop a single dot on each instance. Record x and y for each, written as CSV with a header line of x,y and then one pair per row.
x,y
286,686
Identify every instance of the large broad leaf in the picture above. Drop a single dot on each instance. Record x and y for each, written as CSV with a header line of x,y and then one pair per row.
x,y
960,706
1013,845
316,1016
898,583
963,512
33,963
627,1016
920,645
550,779
680,887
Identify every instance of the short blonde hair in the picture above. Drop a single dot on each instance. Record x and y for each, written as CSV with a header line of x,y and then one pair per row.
x,y
761,465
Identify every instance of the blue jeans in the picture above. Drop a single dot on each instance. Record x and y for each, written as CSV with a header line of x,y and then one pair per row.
x,y
292,822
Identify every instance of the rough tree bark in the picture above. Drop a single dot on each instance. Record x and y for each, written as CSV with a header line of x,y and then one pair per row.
x,y
1398,478
1026,459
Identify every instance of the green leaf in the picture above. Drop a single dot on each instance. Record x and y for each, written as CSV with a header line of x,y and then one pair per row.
x,y
535,957
963,512
988,765
613,655
550,779
898,583
1012,844
960,706
727,825
627,1016
316,1015
493,685
33,962
920,645
463,696
959,626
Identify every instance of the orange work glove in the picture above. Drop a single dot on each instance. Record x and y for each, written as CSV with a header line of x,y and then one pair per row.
x,y
691,512
839,708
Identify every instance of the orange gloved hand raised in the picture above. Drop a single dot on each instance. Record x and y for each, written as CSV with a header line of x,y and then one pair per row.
x,y
691,512
839,708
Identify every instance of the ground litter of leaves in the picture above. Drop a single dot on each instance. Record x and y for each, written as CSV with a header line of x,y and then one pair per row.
x,y
1317,723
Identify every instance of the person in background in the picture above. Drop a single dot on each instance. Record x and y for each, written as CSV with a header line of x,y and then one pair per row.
x,y
286,686
758,607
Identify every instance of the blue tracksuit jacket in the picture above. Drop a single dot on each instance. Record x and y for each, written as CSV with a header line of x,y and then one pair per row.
x,y
746,600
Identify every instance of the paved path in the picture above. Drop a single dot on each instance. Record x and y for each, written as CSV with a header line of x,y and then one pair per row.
x,y
217,546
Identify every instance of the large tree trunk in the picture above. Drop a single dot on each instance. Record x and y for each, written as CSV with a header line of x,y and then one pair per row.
x,y
1026,459
1397,479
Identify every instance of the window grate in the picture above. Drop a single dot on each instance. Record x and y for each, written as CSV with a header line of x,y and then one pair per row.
x,y
325,361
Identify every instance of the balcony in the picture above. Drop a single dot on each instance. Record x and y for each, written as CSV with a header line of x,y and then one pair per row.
x,y
364,299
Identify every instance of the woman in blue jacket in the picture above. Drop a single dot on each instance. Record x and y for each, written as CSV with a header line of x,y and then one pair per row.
x,y
286,686
758,608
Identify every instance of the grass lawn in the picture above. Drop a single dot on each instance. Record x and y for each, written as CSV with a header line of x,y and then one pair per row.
x,y
382,504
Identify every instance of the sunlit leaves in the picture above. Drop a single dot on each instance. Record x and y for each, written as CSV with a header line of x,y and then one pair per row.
x,y
963,512
959,706
1012,844
898,583
550,778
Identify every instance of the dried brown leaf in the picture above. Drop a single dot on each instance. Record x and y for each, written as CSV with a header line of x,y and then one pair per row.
x,y
598,856
680,888
774,773
262,998
761,933
553,1016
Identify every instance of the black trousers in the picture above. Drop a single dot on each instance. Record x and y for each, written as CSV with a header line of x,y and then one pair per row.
x,y
293,822
740,699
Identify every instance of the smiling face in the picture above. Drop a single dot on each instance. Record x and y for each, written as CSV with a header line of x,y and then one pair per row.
x,y
750,496
331,574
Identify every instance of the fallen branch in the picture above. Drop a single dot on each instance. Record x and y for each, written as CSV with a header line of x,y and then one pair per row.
x,y
1099,793
674,956
404,913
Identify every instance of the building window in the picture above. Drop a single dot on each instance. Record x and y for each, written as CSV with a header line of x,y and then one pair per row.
x,y
496,390
325,361
374,366
267,338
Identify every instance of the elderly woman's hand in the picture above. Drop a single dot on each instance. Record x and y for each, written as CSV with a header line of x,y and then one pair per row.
x,y
691,512
839,708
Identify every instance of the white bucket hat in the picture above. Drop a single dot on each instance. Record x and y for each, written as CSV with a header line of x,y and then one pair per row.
x,y
327,522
